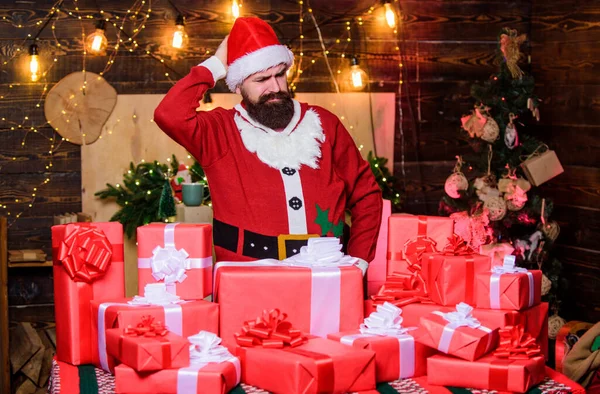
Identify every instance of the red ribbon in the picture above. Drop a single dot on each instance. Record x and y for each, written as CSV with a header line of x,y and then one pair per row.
x,y
516,344
457,246
325,370
146,328
85,254
270,331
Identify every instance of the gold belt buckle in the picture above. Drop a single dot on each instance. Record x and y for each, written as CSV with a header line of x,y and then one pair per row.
x,y
281,238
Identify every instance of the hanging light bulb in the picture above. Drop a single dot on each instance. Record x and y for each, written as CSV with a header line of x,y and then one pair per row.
x,y
235,9
180,37
97,42
358,78
390,15
34,62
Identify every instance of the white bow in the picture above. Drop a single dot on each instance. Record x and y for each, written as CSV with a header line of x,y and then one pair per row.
x,y
508,267
385,321
205,348
155,294
461,317
169,264
321,252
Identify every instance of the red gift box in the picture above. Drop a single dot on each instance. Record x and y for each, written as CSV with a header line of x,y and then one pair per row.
x,y
409,235
318,366
395,357
377,268
488,373
535,319
87,265
450,276
211,378
134,347
178,254
457,333
319,300
508,287
184,319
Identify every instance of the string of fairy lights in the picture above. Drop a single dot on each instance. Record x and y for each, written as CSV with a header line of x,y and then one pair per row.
x,y
128,26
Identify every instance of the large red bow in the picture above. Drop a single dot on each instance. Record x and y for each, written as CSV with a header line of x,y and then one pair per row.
x,y
271,331
457,247
147,328
516,344
85,254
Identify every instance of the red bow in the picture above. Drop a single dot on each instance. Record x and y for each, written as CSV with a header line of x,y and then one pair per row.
x,y
147,328
270,331
85,254
457,247
516,344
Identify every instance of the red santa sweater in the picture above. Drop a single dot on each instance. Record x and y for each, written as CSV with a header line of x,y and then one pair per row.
x,y
264,183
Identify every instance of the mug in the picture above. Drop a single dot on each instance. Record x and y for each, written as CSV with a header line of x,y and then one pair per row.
x,y
192,194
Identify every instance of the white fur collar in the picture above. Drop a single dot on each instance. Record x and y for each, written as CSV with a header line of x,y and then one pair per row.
x,y
298,144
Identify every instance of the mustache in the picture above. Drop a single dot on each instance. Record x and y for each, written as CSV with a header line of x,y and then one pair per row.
x,y
274,95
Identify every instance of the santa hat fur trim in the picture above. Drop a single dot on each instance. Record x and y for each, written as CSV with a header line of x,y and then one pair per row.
x,y
260,60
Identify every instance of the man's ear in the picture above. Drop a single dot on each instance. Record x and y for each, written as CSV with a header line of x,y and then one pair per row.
x,y
238,90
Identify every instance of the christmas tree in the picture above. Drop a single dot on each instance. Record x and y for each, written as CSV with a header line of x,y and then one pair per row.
x,y
500,211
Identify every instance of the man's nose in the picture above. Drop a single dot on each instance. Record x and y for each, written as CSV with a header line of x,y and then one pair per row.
x,y
273,85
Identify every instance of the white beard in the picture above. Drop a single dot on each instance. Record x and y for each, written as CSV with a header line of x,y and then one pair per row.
x,y
293,147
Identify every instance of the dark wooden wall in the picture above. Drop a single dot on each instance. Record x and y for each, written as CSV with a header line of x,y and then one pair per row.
x,y
444,48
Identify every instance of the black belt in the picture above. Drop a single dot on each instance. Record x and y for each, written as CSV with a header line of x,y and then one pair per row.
x,y
258,246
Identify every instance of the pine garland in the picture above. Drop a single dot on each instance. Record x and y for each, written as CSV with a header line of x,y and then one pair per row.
x,y
385,180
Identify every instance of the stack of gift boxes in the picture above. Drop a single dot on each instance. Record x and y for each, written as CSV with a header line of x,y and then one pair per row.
x,y
297,325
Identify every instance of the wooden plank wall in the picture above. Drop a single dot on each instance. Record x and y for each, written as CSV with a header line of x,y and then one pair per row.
x,y
566,62
444,46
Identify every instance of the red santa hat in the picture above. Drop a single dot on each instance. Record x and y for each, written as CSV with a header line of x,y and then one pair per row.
x,y
253,47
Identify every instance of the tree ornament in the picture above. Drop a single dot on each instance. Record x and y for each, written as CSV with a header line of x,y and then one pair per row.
x,y
456,181
555,323
533,108
511,138
546,285
166,204
515,204
551,230
491,131
183,176
496,206
474,123
472,228
510,42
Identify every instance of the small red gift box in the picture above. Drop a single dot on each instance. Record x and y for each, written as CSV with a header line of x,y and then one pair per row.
x,y
87,265
535,320
323,300
377,268
317,366
211,378
450,276
148,347
457,333
178,254
508,287
488,373
397,355
515,366
410,235
183,319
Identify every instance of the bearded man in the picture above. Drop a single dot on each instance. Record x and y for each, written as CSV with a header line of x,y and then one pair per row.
x,y
279,171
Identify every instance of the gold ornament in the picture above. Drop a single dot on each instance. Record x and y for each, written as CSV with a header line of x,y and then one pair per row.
x,y
515,204
496,206
555,323
546,285
510,43
456,181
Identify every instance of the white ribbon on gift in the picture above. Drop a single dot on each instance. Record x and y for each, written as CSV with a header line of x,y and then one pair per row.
x,y
460,318
205,348
324,258
172,310
387,321
170,264
508,267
